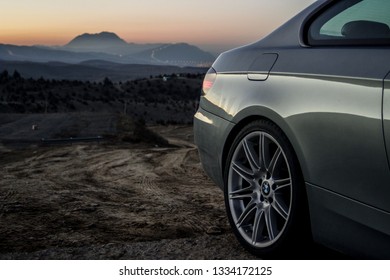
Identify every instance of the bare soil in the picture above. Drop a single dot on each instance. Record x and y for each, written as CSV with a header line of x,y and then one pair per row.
x,y
106,201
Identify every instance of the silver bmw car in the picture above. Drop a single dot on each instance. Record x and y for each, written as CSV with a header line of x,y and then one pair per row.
x,y
295,129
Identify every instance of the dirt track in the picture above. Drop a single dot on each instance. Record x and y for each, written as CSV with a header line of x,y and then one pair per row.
x,y
112,202
115,201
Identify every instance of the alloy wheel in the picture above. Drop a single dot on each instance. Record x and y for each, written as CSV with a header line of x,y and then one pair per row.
x,y
259,189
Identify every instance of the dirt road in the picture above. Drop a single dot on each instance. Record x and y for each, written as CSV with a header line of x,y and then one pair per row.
x,y
105,201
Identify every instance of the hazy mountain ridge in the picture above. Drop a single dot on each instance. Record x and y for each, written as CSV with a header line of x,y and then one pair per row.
x,y
109,47
92,70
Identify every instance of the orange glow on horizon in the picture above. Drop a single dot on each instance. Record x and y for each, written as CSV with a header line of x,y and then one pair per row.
x,y
198,22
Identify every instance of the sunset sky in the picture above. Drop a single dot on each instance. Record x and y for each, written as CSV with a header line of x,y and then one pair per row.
x,y
213,25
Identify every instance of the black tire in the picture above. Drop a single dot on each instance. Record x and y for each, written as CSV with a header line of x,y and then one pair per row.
x,y
264,193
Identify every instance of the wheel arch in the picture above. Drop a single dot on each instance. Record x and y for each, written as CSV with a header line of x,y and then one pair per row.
x,y
249,115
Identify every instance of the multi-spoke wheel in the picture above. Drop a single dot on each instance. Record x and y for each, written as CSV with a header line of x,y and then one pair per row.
x,y
263,189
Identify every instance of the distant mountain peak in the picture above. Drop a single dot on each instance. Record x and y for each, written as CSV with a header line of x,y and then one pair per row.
x,y
103,40
105,35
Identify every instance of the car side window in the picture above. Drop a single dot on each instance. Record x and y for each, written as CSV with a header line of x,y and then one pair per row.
x,y
352,22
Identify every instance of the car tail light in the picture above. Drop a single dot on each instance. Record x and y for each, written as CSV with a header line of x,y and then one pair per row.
x,y
209,80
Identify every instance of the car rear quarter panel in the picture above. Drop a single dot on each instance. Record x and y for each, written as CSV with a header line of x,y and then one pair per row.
x,y
333,123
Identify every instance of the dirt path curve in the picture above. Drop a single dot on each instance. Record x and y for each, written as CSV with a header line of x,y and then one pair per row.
x,y
112,202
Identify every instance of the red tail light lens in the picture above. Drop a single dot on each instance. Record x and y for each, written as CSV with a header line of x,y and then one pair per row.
x,y
209,80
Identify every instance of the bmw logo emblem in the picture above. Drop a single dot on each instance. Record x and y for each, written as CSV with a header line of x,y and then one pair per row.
x,y
266,188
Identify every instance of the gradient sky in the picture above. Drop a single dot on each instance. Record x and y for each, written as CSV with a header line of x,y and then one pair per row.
x,y
211,24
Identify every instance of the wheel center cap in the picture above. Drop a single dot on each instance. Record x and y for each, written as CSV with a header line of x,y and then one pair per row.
x,y
266,188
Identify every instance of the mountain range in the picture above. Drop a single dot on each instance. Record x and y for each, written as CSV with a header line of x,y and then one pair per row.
x,y
107,46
